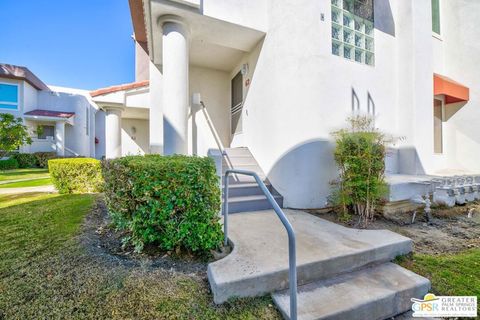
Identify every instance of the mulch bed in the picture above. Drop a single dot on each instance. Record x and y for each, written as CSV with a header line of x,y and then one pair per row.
x,y
450,231
101,239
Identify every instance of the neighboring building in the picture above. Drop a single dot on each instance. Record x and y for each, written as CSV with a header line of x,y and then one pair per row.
x,y
66,116
278,77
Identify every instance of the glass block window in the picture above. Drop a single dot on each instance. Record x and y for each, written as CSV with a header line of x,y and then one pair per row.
x,y
8,96
436,16
352,30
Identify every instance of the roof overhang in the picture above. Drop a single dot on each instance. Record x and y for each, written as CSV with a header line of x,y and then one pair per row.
x,y
22,73
453,91
214,43
49,115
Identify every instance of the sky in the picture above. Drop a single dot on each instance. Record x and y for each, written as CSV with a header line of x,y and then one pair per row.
x,y
83,44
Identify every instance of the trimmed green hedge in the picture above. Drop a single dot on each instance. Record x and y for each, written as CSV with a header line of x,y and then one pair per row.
x,y
8,164
76,175
25,160
44,157
168,201
34,160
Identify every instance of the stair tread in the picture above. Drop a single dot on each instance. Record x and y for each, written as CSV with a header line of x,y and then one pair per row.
x,y
389,287
244,185
250,198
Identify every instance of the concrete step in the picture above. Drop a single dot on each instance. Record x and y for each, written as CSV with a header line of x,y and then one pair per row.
x,y
375,293
238,160
232,152
242,179
251,167
244,189
251,203
258,264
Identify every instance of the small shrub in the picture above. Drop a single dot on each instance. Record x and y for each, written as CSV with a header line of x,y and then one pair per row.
x,y
76,175
360,157
25,160
168,201
42,158
8,164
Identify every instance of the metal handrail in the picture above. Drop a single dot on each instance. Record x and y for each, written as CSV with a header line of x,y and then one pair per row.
x,y
292,255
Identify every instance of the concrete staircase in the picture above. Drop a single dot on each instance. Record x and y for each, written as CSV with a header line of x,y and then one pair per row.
x,y
342,273
244,193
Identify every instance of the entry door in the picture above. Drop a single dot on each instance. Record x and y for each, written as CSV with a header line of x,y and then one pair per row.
x,y
237,104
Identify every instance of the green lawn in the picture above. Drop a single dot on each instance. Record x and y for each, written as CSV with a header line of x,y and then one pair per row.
x,y
27,183
23,174
46,274
453,274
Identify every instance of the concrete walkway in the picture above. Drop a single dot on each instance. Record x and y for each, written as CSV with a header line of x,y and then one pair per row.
x,y
48,188
258,265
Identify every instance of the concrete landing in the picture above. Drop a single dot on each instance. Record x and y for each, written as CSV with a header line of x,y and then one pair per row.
x,y
374,293
258,264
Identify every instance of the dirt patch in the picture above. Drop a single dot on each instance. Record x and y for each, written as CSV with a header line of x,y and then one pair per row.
x,y
450,231
102,240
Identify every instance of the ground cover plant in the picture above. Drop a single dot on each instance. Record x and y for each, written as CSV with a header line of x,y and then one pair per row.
x,y
76,175
171,202
359,154
61,270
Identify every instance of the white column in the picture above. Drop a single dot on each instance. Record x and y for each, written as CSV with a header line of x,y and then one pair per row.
x,y
60,138
113,132
175,85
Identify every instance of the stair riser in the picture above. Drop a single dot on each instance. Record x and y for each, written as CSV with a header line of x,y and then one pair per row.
x,y
380,309
255,205
242,179
244,191
233,152
267,283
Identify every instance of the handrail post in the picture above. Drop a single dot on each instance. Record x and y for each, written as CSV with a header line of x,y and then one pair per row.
x,y
292,252
225,210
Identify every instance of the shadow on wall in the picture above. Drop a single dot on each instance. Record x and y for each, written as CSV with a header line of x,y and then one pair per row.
x,y
384,17
303,174
409,161
175,138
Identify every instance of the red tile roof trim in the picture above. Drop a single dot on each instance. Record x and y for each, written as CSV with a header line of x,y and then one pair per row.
x,y
120,87
49,113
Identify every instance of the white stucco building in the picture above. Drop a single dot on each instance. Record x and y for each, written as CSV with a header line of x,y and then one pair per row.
x,y
66,116
278,77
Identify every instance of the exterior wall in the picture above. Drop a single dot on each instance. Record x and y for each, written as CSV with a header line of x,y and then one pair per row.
x,y
214,87
461,54
100,134
142,61
78,138
300,93
135,137
248,13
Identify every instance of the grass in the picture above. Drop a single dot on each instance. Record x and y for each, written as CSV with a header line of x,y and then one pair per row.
x,y
453,274
45,273
27,183
23,174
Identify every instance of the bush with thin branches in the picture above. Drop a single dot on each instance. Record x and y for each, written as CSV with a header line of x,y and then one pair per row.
x,y
359,154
